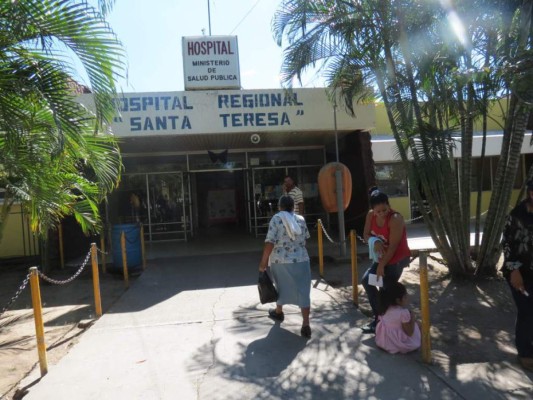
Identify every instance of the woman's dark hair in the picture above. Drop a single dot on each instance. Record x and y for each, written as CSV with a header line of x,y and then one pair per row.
x,y
286,203
390,296
377,197
529,185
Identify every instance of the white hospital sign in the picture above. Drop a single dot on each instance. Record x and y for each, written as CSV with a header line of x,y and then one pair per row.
x,y
211,62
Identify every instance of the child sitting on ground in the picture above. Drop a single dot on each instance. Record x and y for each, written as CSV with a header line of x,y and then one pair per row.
x,y
397,330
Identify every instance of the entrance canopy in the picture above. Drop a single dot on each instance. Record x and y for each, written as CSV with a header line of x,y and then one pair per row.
x,y
231,119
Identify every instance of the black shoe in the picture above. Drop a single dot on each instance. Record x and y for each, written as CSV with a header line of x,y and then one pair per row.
x,y
370,327
306,331
274,315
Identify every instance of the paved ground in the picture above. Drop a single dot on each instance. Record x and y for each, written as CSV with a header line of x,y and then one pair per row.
x,y
192,328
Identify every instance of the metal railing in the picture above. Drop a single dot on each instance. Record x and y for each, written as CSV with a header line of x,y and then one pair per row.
x,y
35,274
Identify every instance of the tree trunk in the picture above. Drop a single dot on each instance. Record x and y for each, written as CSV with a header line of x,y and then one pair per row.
x,y
503,185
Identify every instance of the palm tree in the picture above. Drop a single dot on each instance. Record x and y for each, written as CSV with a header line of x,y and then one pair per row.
x,y
433,88
55,156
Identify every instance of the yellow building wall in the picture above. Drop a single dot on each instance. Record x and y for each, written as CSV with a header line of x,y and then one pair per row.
x,y
494,123
485,201
514,198
16,242
401,204
382,121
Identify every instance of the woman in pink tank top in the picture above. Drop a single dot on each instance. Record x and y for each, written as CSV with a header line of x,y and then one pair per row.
x,y
385,232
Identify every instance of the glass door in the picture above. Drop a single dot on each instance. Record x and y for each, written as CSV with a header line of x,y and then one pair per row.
x,y
159,201
168,216
267,187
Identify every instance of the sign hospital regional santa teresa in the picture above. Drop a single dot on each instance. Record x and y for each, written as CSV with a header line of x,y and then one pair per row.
x,y
211,62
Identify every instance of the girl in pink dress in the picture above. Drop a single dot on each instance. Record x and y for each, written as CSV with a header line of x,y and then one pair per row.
x,y
397,330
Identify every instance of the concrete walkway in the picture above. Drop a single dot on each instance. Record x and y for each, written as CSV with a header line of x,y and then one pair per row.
x,y
192,328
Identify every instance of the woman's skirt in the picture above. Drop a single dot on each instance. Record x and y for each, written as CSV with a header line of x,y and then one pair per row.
x,y
293,282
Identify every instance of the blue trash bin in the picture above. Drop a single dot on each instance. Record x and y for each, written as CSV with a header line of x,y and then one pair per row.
x,y
132,233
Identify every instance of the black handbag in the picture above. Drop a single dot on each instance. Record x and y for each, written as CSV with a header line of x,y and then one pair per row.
x,y
267,291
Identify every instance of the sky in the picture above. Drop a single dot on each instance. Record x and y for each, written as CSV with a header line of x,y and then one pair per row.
x,y
151,32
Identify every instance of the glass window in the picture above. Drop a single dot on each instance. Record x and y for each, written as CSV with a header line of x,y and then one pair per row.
x,y
391,179
268,187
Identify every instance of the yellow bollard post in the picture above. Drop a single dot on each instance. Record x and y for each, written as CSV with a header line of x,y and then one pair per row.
x,y
355,276
61,249
142,247
102,246
96,281
124,259
424,307
320,250
38,318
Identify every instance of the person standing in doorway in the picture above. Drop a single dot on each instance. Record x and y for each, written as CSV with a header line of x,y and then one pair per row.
x,y
517,269
385,232
290,188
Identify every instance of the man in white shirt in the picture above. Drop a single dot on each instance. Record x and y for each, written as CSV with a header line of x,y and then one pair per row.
x,y
290,188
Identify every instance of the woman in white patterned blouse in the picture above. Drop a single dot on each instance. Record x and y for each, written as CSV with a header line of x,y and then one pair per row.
x,y
287,256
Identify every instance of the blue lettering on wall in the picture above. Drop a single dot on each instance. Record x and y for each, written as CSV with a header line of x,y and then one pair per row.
x,y
253,102
255,119
159,123
186,124
276,100
291,99
148,126
165,100
224,120
284,99
147,101
135,123
173,120
180,103
176,103
135,104
156,103
260,119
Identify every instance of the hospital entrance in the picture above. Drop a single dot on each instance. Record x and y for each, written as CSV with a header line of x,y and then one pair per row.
x,y
218,202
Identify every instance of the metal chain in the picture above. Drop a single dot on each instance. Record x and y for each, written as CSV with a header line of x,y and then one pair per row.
x,y
439,260
421,216
415,219
326,233
332,241
17,294
361,239
78,272
102,252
